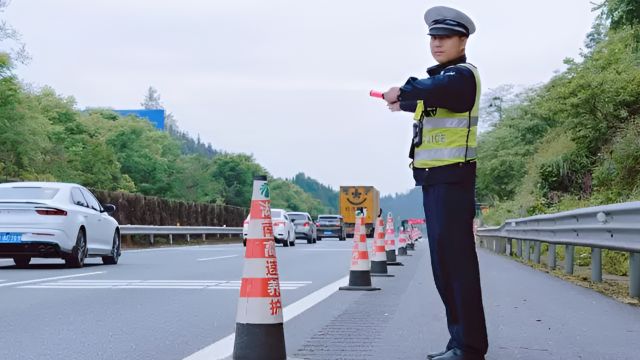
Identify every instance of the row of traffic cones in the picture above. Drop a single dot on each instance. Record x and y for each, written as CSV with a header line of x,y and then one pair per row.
x,y
259,322
383,255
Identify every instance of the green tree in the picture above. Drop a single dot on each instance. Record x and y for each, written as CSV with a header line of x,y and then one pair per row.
x,y
621,13
147,156
235,172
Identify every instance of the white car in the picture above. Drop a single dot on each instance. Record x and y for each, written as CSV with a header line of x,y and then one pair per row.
x,y
56,220
283,231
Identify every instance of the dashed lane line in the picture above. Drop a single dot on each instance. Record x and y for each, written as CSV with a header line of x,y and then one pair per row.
x,y
49,279
218,257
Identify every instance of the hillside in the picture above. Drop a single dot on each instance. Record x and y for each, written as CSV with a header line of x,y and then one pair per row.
x,y
573,141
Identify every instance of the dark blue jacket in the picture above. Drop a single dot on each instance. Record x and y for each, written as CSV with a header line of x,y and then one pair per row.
x,y
449,87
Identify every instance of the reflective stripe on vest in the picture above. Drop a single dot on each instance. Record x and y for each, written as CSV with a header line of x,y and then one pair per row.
x,y
447,137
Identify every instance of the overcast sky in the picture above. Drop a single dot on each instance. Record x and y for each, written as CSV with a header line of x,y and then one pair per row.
x,y
285,80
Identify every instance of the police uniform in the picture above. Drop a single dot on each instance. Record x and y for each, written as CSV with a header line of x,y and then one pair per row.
x,y
445,107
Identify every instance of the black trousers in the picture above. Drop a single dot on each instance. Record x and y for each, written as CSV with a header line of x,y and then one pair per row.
x,y
449,210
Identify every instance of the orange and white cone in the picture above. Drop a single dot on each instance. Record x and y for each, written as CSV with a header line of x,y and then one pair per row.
x,y
390,243
412,236
259,322
360,271
402,243
379,259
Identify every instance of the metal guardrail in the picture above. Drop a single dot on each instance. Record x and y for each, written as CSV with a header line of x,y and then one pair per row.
x,y
612,227
177,230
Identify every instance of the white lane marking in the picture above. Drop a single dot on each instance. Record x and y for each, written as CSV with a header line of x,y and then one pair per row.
x,y
223,348
222,247
50,278
217,257
155,284
325,249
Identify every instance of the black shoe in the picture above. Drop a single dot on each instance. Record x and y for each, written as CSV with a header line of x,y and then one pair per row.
x,y
457,354
434,355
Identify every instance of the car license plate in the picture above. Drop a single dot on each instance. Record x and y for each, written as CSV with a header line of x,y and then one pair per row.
x,y
328,232
10,238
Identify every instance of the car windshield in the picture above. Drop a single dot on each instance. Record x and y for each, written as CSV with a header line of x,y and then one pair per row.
x,y
296,217
276,214
27,193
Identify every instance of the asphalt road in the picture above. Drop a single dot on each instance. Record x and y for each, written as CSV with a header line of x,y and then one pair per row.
x,y
180,303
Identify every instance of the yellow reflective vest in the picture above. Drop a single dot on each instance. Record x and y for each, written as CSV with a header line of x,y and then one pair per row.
x,y
447,137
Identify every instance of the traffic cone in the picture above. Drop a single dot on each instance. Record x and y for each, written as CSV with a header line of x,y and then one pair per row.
x,y
360,271
412,237
379,259
390,243
259,322
402,243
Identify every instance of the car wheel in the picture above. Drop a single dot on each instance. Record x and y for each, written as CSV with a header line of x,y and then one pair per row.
x,y
115,251
22,261
315,240
285,243
79,252
292,242
310,239
319,238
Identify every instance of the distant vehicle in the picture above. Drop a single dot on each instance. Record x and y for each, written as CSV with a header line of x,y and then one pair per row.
x,y
283,229
354,197
56,220
331,226
305,227
245,231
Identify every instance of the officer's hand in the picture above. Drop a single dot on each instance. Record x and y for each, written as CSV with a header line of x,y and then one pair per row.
x,y
395,106
391,96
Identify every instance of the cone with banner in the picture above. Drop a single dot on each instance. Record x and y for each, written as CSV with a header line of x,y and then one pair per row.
x,y
259,322
379,259
402,243
360,271
390,243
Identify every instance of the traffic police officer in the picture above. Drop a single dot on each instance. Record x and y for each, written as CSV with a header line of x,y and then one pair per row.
x,y
445,107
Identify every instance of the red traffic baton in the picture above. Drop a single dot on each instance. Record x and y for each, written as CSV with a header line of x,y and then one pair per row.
x,y
376,94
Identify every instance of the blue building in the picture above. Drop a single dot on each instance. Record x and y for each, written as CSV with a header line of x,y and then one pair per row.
x,y
156,116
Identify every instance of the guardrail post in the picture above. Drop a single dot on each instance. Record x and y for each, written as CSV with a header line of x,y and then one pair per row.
x,y
503,246
552,256
519,248
536,252
188,238
568,259
634,275
509,245
170,239
527,250
596,265
151,239
204,237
